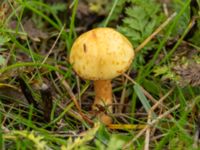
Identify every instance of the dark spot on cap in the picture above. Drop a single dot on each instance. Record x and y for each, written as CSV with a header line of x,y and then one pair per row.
x,y
85,48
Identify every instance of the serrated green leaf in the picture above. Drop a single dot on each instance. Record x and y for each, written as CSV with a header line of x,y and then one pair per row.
x,y
136,12
149,28
132,34
133,23
142,18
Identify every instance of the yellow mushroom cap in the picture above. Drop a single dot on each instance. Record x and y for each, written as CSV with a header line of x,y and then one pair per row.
x,y
101,54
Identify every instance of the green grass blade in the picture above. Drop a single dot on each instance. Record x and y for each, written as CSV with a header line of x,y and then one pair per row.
x,y
111,12
142,98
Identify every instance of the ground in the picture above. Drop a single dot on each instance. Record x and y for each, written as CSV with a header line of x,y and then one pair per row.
x,y
45,105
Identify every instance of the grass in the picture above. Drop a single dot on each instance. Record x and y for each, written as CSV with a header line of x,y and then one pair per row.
x,y
149,112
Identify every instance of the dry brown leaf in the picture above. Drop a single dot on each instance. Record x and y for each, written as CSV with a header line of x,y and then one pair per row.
x,y
34,33
189,75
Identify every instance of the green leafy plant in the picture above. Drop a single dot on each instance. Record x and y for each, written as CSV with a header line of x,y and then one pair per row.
x,y
142,17
80,142
37,140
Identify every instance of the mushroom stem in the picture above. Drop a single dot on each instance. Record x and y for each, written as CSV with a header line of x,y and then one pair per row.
x,y
103,97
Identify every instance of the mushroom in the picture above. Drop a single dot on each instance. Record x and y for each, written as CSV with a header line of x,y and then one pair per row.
x,y
100,55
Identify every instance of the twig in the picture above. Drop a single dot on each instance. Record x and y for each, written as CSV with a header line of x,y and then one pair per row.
x,y
50,51
73,97
159,102
155,33
53,46
166,12
196,139
79,90
139,126
148,131
147,138
148,95
150,124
